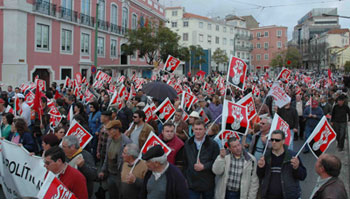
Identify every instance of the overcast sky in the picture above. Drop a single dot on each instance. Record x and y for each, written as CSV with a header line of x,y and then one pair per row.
x,y
266,12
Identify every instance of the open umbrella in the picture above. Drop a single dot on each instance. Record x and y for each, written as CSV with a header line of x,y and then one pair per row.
x,y
159,90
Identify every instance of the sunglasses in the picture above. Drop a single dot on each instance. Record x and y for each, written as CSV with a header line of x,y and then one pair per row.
x,y
275,140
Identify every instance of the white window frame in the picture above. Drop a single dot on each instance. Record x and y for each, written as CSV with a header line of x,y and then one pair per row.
x,y
102,16
258,45
209,39
46,22
185,22
258,34
134,26
279,44
183,36
85,3
279,31
217,40
258,57
174,24
200,37
65,67
174,13
125,24
70,28
81,44
217,28
266,56
200,24
225,29
209,26
231,30
266,35
99,54
116,47
114,19
266,46
224,41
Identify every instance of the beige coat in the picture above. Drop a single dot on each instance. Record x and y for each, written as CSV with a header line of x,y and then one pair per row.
x,y
249,182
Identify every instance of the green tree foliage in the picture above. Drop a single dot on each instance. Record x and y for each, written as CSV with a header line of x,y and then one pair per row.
x,y
289,58
155,42
347,67
219,57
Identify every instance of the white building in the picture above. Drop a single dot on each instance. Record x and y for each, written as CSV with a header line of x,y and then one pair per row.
x,y
211,33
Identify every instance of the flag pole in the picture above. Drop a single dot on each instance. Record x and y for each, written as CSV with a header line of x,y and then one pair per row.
x,y
267,144
133,166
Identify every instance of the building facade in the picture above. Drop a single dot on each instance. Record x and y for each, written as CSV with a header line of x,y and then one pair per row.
x,y
314,23
268,41
211,33
56,38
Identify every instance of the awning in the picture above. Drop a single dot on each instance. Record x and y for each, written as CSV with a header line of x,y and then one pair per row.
x,y
266,67
258,67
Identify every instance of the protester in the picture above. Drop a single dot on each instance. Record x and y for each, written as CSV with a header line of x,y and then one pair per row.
x,y
103,135
299,105
7,120
280,171
340,112
258,143
191,120
171,140
290,115
21,135
215,108
113,161
181,127
55,161
236,173
25,109
94,125
60,132
49,141
133,172
140,130
163,180
80,159
200,153
328,184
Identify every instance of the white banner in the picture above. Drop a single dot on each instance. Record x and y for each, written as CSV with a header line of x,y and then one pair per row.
x,y
279,95
22,175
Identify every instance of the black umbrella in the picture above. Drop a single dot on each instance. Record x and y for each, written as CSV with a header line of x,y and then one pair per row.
x,y
159,90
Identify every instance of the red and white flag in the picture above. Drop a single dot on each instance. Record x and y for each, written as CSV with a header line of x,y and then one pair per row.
x,y
41,83
225,135
237,73
165,111
203,116
121,79
70,115
235,118
279,124
187,100
248,102
171,64
148,112
279,95
68,83
321,137
153,140
9,109
54,188
88,95
284,75
29,98
178,89
78,131
256,91
97,84
79,78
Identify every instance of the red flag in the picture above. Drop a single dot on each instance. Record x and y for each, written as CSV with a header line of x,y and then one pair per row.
x,y
248,102
279,124
57,95
152,141
77,130
237,73
9,109
148,112
235,118
225,135
165,111
284,75
171,64
54,188
29,98
187,100
203,116
37,101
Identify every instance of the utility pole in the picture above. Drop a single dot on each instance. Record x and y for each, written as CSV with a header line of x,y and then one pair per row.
x,y
96,34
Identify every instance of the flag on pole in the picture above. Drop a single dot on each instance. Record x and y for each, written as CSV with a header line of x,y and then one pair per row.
x,y
70,115
171,64
237,72
284,75
279,124
280,96
248,102
78,131
153,140
234,118
165,111
225,135
54,188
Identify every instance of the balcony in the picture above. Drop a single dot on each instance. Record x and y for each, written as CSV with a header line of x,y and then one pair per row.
x,y
68,14
45,7
118,29
87,20
103,25
244,37
244,48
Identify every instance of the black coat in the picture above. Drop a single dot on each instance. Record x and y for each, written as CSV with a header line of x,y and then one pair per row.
x,y
203,180
176,186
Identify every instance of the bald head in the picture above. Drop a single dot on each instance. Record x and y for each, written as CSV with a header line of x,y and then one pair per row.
x,y
331,164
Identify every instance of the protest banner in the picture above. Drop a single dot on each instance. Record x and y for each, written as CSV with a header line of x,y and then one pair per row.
x,y
279,95
22,174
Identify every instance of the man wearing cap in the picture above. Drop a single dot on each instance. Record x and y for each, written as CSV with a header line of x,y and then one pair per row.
x,y
200,153
163,180
191,119
103,136
339,121
112,164
313,115
140,130
25,109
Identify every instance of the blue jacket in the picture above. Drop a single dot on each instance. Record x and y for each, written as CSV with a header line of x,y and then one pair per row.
x,y
311,121
95,122
289,177
26,140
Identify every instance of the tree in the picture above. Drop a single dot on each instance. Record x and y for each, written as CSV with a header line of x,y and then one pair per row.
x,y
347,67
318,53
154,42
197,53
219,57
289,58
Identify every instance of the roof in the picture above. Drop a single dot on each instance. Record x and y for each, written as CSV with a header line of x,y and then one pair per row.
x,y
190,15
338,31
268,27
171,8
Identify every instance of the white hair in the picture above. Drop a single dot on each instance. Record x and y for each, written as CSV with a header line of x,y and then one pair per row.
x,y
162,159
269,120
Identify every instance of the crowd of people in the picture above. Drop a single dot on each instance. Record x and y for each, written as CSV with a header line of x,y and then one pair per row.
x,y
198,166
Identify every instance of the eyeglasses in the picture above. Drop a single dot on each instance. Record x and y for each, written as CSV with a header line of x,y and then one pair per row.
x,y
275,140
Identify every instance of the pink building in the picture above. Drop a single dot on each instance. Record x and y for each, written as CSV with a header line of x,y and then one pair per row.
x,y
267,42
56,38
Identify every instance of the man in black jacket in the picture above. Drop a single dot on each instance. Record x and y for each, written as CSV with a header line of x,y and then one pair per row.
x,y
290,115
338,121
200,153
280,171
162,180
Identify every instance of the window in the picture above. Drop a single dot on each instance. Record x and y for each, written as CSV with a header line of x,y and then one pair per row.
x,y
185,23
209,26
217,28
251,57
238,54
114,15
217,40
224,41
125,17
85,7
224,29
134,21
66,40
258,57
200,24
174,13
209,39
66,72
266,34
231,42
258,45
85,43
200,37
266,56
231,30
173,24
113,48
266,45
42,37
279,44
101,46
231,52
133,55
185,36
258,34
101,10
279,33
